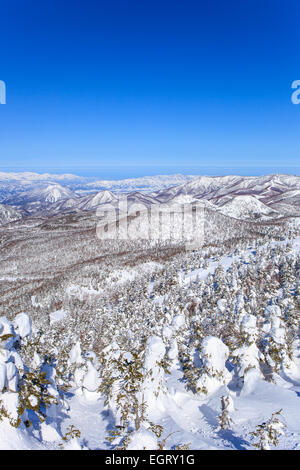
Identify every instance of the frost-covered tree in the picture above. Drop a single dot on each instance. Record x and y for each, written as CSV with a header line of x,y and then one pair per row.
x,y
28,397
224,418
214,374
267,433
247,356
275,344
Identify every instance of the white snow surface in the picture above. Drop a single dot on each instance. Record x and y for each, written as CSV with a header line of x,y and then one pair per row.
x,y
22,325
58,315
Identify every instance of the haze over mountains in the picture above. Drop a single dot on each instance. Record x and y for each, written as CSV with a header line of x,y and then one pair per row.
x,y
241,197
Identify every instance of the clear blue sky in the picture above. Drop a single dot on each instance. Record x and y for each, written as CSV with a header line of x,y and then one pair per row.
x,y
163,84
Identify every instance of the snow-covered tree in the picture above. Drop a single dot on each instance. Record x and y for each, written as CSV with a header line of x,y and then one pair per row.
x,y
213,355
224,418
268,432
247,356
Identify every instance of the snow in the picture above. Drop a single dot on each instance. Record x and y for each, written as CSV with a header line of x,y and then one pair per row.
x,y
91,380
55,193
227,260
144,184
82,292
8,214
75,356
58,315
73,444
155,351
49,434
31,176
245,207
178,322
121,276
2,375
143,439
173,354
6,328
214,354
22,325
188,418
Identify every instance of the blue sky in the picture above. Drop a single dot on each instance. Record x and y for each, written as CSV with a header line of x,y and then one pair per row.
x,y
166,86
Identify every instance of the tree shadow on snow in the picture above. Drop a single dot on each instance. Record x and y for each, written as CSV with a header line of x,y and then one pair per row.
x,y
108,416
210,415
238,442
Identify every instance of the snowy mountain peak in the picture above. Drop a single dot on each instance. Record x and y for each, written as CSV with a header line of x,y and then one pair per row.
x,y
56,192
246,207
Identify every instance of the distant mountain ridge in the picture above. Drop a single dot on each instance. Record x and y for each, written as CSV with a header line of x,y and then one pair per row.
x,y
266,194
30,176
40,197
142,184
241,197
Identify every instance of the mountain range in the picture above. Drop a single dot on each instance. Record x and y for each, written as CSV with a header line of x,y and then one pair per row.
x,y
241,197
